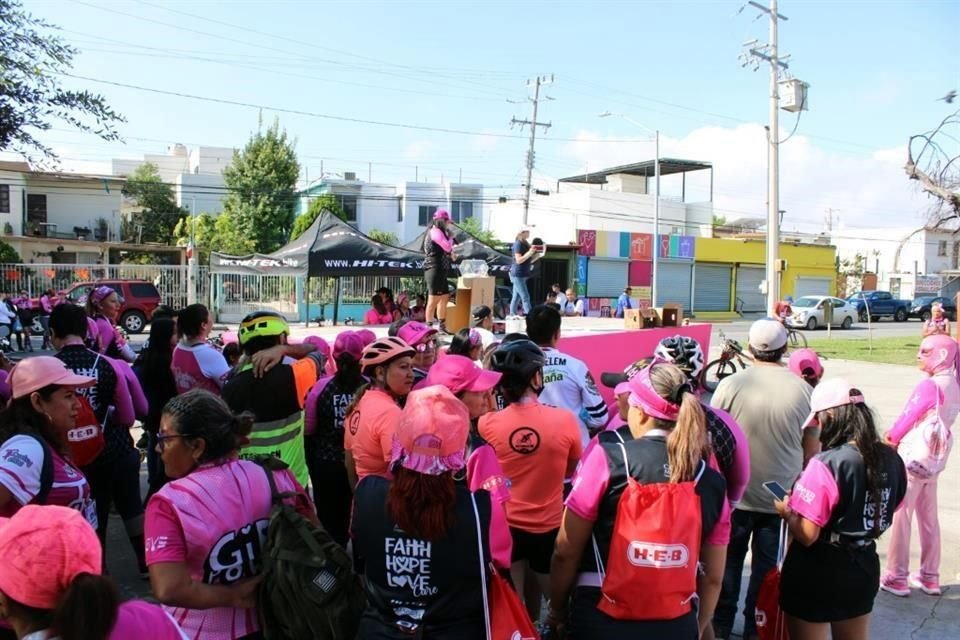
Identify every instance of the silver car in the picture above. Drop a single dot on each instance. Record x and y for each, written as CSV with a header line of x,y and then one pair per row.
x,y
808,313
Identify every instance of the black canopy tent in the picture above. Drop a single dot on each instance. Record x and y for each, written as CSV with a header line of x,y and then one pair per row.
x,y
330,247
468,247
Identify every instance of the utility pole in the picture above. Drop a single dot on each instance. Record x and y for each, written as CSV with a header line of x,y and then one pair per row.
x,y
770,53
533,124
192,257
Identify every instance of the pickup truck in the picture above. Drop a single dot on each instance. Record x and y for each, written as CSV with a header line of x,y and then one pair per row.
x,y
880,304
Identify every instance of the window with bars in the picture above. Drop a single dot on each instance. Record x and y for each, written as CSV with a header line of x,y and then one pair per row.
x,y
426,215
348,204
4,198
461,210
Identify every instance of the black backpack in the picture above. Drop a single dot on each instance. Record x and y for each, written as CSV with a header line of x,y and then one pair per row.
x,y
309,589
46,472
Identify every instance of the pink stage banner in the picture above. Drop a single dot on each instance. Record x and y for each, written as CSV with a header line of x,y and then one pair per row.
x,y
613,351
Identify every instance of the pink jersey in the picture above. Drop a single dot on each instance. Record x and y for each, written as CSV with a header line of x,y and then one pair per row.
x,y
215,521
144,621
198,366
21,467
484,472
372,316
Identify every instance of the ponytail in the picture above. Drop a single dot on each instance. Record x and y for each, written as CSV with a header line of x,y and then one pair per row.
x,y
87,610
348,370
687,443
356,399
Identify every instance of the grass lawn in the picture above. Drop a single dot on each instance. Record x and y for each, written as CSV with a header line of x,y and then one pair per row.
x,y
899,350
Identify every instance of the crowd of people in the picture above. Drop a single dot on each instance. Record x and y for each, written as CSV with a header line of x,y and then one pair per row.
x,y
444,465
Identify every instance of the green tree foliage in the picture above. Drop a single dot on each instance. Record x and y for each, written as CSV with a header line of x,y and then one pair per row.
x,y
159,213
33,63
719,221
386,237
213,233
261,183
8,255
317,205
472,226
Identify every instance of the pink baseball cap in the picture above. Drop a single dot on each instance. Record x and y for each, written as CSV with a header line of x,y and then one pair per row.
x,y
322,345
43,549
368,337
431,437
413,333
441,214
804,359
622,388
348,342
831,393
33,374
460,373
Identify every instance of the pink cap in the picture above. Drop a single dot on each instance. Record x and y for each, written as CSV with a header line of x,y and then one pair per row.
x,y
322,345
348,342
431,437
229,337
43,549
368,337
459,373
33,374
804,359
413,333
622,388
441,214
831,393
403,297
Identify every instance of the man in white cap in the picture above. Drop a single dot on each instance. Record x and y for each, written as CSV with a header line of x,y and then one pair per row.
x,y
771,404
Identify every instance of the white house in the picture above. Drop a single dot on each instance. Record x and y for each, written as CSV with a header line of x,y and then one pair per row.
x,y
403,209
907,262
615,199
196,175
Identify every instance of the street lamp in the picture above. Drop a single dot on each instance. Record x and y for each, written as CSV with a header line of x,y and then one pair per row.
x,y
656,204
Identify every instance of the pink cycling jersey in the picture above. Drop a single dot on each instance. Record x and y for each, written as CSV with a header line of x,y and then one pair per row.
x,y
441,239
484,472
198,366
214,520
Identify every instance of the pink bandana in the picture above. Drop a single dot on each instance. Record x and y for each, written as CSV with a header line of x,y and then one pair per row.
x,y
100,294
644,396
939,353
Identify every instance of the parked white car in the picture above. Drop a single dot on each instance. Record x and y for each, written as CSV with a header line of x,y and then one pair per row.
x,y
808,313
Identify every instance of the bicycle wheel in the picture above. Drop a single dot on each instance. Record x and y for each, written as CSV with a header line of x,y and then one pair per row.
x,y
717,371
797,340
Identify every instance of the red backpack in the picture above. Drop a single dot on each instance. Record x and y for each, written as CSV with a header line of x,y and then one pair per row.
x,y
86,438
651,571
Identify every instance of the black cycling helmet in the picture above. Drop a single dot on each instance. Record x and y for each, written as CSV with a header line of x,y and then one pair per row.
x,y
519,359
683,351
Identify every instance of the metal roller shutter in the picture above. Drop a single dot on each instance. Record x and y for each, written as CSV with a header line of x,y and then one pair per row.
x,y
711,288
673,283
748,288
606,278
807,286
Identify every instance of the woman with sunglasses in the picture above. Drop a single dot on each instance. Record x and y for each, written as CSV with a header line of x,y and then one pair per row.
x,y
214,500
372,417
423,339
103,307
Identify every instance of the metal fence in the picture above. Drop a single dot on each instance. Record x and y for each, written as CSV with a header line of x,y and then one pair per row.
x,y
171,281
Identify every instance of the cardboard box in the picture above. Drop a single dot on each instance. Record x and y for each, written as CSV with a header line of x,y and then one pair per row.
x,y
639,319
471,292
670,315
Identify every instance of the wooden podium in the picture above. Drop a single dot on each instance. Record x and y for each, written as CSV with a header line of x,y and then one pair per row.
x,y
471,292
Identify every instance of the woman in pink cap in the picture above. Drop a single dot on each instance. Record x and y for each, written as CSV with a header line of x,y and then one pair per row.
x,y
35,463
324,414
51,587
438,247
425,537
843,502
423,339
806,364
935,398
403,307
206,528
103,307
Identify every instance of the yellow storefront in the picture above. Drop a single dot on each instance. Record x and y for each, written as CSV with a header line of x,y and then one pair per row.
x,y
727,273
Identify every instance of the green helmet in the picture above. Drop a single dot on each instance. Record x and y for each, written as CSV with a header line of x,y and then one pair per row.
x,y
262,324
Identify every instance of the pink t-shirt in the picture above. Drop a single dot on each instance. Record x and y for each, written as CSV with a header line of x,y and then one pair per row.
x,y
144,621
215,521
21,465
369,432
592,480
484,472
372,317
198,366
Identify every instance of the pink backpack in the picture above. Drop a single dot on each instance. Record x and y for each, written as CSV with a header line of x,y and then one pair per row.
x,y
926,447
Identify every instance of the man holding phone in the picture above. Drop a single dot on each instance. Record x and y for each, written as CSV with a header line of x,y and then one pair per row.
x,y
771,404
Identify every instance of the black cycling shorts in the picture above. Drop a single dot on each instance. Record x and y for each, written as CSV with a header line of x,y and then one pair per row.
x,y
535,548
436,281
828,583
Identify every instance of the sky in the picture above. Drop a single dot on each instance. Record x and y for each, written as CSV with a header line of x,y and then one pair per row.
x,y
875,69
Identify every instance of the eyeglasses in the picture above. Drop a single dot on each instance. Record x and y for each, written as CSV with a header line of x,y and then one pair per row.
x,y
162,439
426,347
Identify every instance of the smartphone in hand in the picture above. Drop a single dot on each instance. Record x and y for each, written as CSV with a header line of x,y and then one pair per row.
x,y
776,489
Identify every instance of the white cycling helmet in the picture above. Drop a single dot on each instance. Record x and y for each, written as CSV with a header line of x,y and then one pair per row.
x,y
685,352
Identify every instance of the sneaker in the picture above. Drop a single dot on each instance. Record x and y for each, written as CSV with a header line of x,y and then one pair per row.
x,y
929,587
895,586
